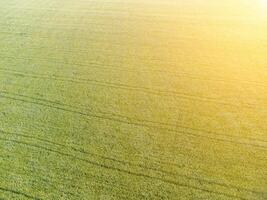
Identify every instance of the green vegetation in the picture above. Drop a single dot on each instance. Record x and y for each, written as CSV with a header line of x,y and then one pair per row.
x,y
112,99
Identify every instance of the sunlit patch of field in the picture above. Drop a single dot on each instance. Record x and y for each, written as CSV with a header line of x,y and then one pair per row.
x,y
111,99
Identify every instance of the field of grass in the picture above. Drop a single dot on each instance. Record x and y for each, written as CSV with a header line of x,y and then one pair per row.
x,y
133,99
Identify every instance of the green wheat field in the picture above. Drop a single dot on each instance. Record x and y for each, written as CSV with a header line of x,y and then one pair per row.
x,y
133,99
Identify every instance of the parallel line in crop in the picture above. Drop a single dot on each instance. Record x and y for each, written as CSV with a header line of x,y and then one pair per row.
x,y
130,119
76,147
136,88
65,181
16,192
136,123
113,168
43,179
113,160
125,69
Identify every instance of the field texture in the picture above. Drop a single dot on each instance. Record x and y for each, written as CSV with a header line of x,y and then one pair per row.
x,y
133,99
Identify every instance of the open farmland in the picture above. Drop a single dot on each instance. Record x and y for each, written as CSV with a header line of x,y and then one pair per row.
x,y
133,99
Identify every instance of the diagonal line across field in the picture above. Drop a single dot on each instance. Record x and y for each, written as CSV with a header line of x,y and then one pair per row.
x,y
153,100
18,193
157,92
130,172
135,122
126,163
100,66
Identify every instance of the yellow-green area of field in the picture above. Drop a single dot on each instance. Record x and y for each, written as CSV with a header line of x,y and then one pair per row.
x,y
133,99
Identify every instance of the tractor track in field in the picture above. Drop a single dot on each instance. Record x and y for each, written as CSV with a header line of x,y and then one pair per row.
x,y
133,70
107,185
130,119
121,170
140,123
126,87
16,192
53,184
43,180
132,100
127,117
256,83
127,163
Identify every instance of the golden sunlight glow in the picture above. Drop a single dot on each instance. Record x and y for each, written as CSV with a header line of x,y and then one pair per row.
x,y
264,2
